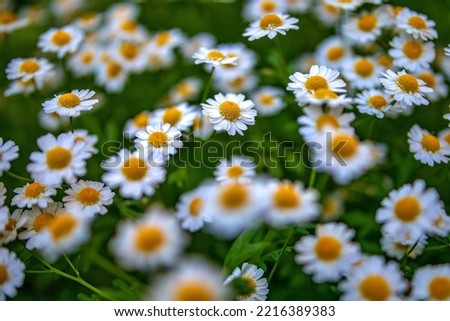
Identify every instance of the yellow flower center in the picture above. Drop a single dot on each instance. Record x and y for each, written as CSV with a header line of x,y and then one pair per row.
x,y
439,288
385,61
331,9
69,100
429,78
158,139
88,16
326,120
286,196
230,110
417,22
88,196
270,21
113,69
377,101
87,58
61,38
234,196
344,145
184,89
58,158
193,291
335,53
330,207
29,66
195,206
447,138
134,169
364,67
431,143
198,123
367,23
413,49
149,238
408,83
62,226
266,99
163,38
268,6
316,82
251,287
10,225
129,51
34,190
172,116
141,120
238,82
42,221
3,274
7,17
129,26
215,55
407,209
328,248
235,171
375,288
324,93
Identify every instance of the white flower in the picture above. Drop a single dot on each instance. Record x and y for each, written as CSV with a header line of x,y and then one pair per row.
x,y
399,250
362,72
33,71
112,75
322,96
71,104
185,90
332,52
20,87
201,126
238,169
191,209
436,82
127,29
416,24
82,135
138,122
9,21
161,140
364,28
431,282
427,148
167,39
180,116
258,288
230,112
373,102
61,40
244,81
255,9
329,254
12,274
14,223
214,57
246,60
411,54
9,151
52,122
88,198
268,100
332,206
84,61
201,40
131,55
346,5
33,194
270,25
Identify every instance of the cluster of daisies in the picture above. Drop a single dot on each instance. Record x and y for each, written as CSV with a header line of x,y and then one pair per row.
x,y
53,212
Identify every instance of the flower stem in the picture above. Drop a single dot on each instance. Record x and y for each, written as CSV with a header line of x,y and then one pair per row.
x,y
20,178
312,178
71,124
208,85
372,125
277,263
284,67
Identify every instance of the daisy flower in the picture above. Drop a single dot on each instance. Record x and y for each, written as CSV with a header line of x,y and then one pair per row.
x,y
201,40
328,14
180,116
255,9
167,39
270,25
88,21
268,100
122,11
412,54
373,102
213,57
230,112
9,21
138,122
112,75
257,286
298,6
36,70
194,279
431,282
202,127
126,30
15,222
88,198
238,83
84,61
162,140
447,50
238,169
373,280
409,212
185,90
131,55
60,159
444,136
332,52
12,274
133,174
398,250
362,72
345,4
154,240
322,96
33,194
332,206
436,82
290,203
329,254
61,40
71,104
416,24
406,89
52,122
9,151
246,60
82,135
364,28
427,148
4,214
441,225
191,209
20,87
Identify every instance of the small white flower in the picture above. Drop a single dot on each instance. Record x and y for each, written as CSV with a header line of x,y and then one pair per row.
x,y
431,282
436,82
238,169
258,288
20,87
12,274
201,40
332,52
82,135
214,57
373,102
167,39
185,90
14,223
84,61
270,25
191,209
180,116
33,194
416,24
362,72
364,28
244,81
346,5
9,151
138,122
61,40
268,100
36,70
52,122
161,140
131,55
427,148
112,75
9,21
412,54
71,104
399,250
255,9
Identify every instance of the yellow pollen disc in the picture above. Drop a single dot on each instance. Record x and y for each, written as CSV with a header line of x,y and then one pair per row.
x,y
129,26
268,6
413,49
438,289
29,66
407,209
7,17
113,69
230,110
326,120
429,79
34,190
198,123
286,196
141,120
58,158
184,89
417,22
87,58
10,225
193,291
367,23
270,21
88,16
344,145
377,101
447,138
335,53
324,93
396,10
158,139
69,100
316,82
88,196
251,285
134,169
62,226
375,288
172,116
215,55
235,171
195,206
163,38
80,139
149,238
408,83
61,38
364,68
42,221
238,82
328,248
266,99
385,61
3,274
430,143
129,50
331,9
234,196
330,207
